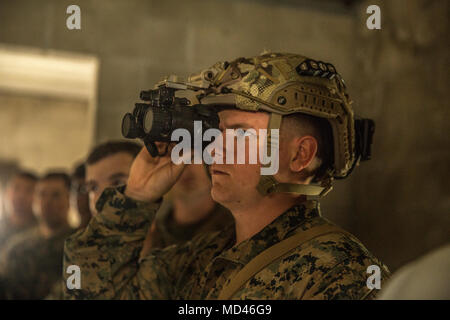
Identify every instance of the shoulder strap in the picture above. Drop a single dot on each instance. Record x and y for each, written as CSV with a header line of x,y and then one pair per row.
x,y
273,253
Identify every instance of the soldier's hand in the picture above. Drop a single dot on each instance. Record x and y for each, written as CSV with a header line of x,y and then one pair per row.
x,y
152,177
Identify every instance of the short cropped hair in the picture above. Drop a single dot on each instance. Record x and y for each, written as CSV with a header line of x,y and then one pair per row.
x,y
318,128
79,172
110,148
57,175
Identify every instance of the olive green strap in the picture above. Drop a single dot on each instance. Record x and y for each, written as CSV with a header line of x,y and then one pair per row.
x,y
268,184
271,254
274,123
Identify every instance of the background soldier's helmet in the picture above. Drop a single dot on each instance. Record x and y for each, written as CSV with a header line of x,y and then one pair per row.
x,y
283,84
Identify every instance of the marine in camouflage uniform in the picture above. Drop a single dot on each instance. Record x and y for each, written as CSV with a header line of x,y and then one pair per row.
x,y
331,266
31,265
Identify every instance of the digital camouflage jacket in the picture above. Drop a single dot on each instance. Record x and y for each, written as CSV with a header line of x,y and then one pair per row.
x,y
332,266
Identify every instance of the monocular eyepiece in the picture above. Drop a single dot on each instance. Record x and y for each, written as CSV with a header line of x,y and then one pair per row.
x,y
129,127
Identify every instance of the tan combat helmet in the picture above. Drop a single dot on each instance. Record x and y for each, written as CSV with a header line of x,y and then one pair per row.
x,y
282,84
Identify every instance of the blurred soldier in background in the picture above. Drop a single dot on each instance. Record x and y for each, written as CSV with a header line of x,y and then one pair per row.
x,y
79,197
189,210
108,165
79,200
32,261
18,204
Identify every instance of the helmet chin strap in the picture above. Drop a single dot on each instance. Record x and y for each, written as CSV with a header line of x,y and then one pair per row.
x,y
268,184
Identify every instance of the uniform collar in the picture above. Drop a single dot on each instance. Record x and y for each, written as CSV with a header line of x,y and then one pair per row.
x,y
282,227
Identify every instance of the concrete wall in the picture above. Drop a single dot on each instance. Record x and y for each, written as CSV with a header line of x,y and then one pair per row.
x,y
43,133
402,199
139,41
398,203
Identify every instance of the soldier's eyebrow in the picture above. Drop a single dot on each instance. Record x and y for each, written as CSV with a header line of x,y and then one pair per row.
x,y
239,125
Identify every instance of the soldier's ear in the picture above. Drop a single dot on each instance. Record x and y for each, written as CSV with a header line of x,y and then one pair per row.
x,y
303,151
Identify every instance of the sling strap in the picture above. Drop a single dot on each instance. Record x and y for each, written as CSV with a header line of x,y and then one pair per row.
x,y
271,254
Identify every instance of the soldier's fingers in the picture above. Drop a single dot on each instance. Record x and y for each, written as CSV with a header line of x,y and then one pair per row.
x,y
170,146
145,156
162,147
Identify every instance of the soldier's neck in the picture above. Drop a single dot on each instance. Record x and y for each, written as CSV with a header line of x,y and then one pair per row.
x,y
193,211
252,219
